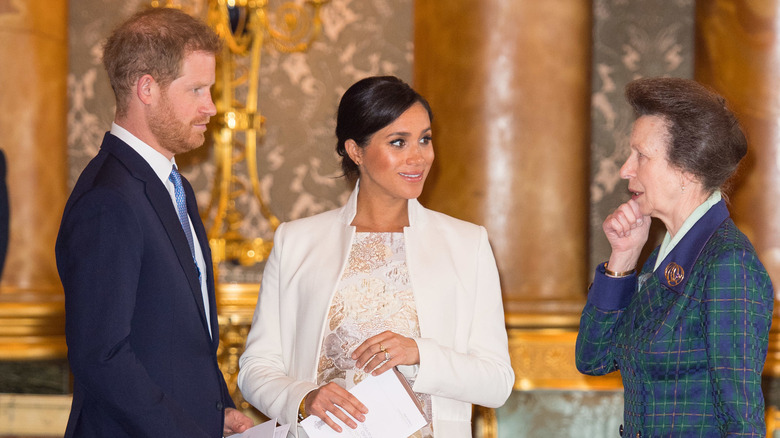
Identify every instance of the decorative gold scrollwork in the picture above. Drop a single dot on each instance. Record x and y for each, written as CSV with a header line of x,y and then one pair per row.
x,y
245,25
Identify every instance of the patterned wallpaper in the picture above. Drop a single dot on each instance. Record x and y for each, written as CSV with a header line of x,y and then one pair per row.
x,y
299,94
631,39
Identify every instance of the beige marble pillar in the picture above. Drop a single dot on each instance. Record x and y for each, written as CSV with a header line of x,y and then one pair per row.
x,y
33,43
510,87
738,54
509,83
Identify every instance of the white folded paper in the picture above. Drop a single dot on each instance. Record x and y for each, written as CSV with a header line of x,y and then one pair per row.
x,y
393,411
269,429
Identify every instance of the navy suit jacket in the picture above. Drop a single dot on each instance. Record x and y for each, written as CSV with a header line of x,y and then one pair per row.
x,y
138,344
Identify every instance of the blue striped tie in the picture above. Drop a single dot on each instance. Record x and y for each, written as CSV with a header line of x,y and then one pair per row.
x,y
181,209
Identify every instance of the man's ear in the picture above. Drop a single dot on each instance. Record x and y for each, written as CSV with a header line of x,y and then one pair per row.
x,y
146,89
354,151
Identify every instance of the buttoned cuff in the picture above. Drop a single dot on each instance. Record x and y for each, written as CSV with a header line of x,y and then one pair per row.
x,y
609,293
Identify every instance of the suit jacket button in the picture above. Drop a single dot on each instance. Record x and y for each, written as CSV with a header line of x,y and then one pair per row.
x,y
620,430
220,406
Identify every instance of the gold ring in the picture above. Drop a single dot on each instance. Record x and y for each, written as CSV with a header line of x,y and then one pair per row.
x,y
381,348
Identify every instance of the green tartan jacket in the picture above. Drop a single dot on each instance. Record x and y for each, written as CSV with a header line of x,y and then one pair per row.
x,y
689,339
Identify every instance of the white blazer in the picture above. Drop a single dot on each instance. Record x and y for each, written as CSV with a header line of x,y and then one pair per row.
x,y
464,355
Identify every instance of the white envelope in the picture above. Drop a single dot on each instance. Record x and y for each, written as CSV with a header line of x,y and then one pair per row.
x,y
393,411
269,429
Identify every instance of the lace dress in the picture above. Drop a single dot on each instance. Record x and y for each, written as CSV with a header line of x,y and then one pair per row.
x,y
373,295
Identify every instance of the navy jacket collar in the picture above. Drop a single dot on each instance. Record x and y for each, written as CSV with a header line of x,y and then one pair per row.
x,y
673,272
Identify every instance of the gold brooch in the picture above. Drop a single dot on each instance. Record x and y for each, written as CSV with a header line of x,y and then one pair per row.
x,y
674,274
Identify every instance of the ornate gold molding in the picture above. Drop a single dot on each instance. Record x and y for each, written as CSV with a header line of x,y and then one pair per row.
x,y
485,422
235,307
772,365
542,351
541,347
32,326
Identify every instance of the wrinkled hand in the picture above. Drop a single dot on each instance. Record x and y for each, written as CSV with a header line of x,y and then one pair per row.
x,y
388,347
626,230
236,422
331,397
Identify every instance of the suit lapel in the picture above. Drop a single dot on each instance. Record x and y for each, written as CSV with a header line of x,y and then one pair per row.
x,y
160,200
331,255
423,253
200,232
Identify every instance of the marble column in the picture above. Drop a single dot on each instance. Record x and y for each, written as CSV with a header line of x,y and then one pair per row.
x,y
33,43
738,54
510,87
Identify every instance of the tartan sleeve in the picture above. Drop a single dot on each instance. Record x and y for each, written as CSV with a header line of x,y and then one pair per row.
x,y
737,314
606,300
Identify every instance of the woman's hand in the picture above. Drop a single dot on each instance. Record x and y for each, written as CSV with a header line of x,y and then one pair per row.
x,y
331,397
388,347
626,230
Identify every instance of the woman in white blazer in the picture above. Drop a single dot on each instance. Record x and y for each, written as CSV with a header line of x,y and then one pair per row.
x,y
337,300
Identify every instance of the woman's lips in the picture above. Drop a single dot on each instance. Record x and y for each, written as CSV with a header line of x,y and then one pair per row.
x,y
412,176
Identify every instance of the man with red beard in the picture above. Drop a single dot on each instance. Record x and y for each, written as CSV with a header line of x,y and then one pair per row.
x,y
132,252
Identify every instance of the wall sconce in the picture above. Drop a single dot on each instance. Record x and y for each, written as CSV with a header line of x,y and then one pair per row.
x,y
245,26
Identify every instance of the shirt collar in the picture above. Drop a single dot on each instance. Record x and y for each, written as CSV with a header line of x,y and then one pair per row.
x,y
162,166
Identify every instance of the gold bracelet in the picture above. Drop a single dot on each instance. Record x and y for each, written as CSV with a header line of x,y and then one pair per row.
x,y
302,409
613,274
